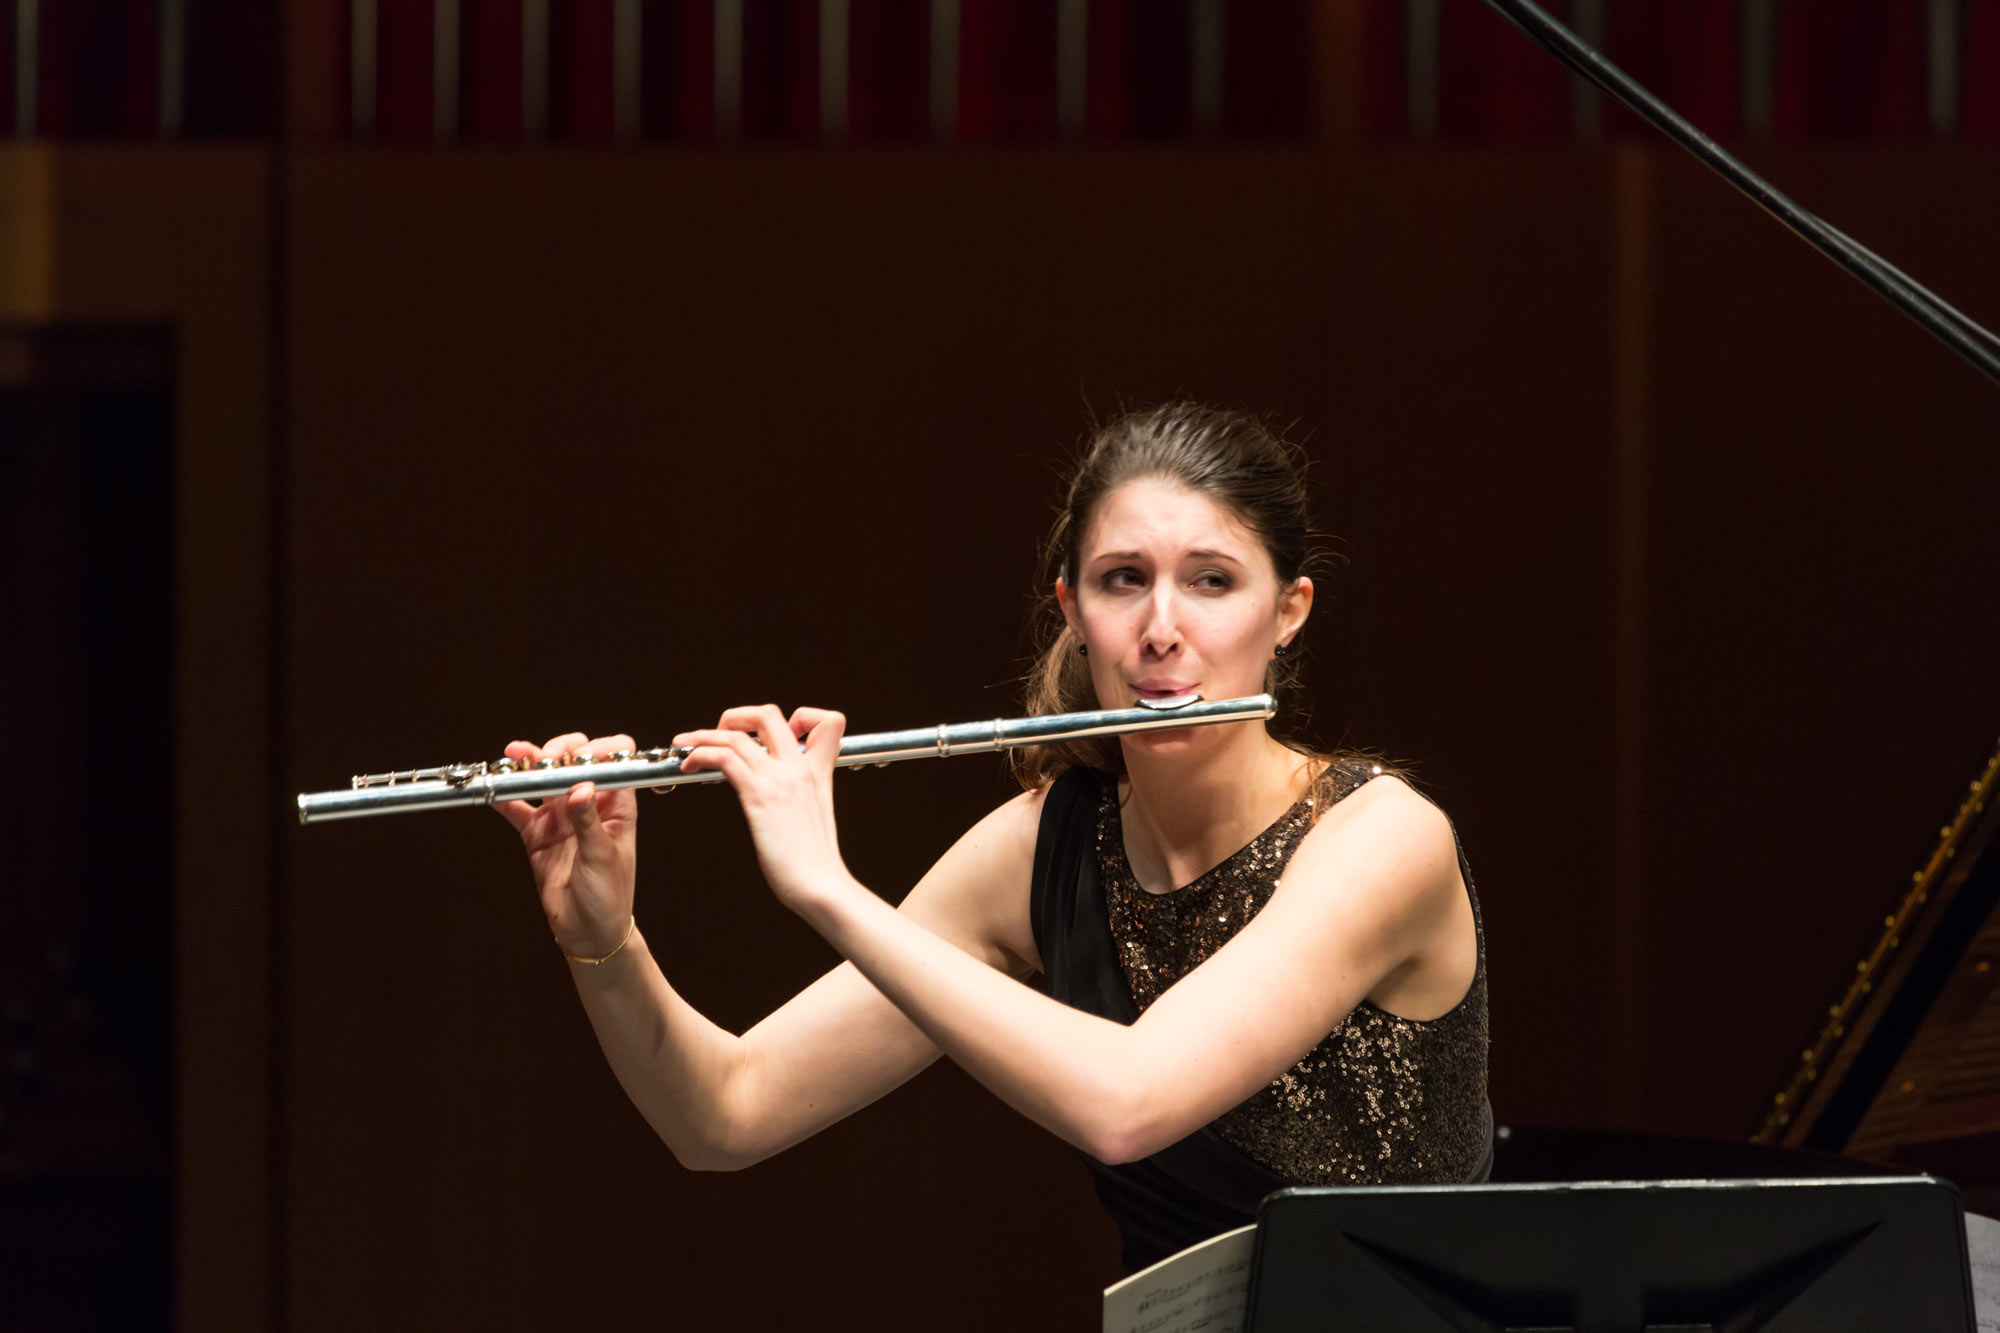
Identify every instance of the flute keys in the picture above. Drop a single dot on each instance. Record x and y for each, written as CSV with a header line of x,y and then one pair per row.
x,y
362,780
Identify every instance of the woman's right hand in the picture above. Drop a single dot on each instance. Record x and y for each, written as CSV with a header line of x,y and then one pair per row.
x,y
582,846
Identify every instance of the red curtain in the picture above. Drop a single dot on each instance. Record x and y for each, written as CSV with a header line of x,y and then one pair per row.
x,y
489,69
1688,54
580,70
1007,69
1844,69
1979,72
98,72
1851,69
403,70
889,69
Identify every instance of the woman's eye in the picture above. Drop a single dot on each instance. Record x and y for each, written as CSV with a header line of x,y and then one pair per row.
x,y
1122,578
1213,580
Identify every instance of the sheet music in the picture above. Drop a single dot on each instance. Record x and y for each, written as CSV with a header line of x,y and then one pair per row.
x,y
1203,1289
1982,1246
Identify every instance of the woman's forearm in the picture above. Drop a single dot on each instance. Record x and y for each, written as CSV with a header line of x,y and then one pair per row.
x,y
678,1068
1072,1073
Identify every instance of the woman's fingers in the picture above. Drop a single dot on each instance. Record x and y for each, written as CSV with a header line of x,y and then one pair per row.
x,y
593,842
767,724
570,742
776,733
754,733
822,729
619,807
728,760
806,722
561,814
717,749
518,813
760,733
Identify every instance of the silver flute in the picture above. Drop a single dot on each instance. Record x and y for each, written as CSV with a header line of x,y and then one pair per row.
x,y
511,780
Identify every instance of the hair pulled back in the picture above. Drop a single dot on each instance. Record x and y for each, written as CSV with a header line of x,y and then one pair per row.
x,y
1234,459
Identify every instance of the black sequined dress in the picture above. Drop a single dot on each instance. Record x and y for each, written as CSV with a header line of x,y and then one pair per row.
x,y
1382,1100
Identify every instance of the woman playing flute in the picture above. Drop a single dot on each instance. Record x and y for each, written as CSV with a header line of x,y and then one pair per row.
x,y
1216,962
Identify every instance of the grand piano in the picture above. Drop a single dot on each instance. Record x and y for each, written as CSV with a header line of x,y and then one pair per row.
x,y
1901,1072
1903,1069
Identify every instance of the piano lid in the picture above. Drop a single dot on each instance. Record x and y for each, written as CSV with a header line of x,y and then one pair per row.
x,y
1906,1063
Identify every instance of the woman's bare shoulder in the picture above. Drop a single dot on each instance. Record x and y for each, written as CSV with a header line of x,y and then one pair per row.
x,y
1008,832
1387,805
1388,832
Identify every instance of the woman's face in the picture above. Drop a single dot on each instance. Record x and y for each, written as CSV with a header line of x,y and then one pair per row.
x,y
1173,595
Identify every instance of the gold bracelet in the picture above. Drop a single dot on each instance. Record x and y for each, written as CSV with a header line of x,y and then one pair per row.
x,y
629,927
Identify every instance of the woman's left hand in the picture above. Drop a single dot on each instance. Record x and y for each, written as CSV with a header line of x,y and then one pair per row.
x,y
786,791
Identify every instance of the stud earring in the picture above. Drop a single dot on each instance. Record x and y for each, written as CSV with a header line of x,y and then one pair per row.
x,y
1282,650
1083,650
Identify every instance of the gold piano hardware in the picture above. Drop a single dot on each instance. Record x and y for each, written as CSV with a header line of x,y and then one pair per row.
x,y
1787,1103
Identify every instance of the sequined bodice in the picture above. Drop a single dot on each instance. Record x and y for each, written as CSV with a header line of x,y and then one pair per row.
x,y
1382,1100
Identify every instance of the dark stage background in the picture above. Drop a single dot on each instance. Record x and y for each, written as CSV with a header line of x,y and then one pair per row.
x,y
1667,564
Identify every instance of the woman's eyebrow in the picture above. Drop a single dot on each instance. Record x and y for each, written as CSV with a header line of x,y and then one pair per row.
x,y
1197,553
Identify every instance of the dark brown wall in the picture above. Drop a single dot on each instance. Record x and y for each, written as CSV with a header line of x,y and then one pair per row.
x,y
180,240
613,441
1824,623
1664,569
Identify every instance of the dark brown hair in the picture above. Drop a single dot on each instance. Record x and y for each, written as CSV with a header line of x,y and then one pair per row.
x,y
1237,461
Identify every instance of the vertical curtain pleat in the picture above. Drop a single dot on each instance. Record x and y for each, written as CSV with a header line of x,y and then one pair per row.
x,y
1267,83
232,75
1831,62
580,65
889,69
1107,63
781,69
677,70
139,107
489,69
57,70
1897,107
1159,69
1007,81
1687,53
7,76
1495,83
1385,102
1979,72
403,70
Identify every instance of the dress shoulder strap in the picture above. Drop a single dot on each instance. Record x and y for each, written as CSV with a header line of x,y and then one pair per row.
x,y
1066,902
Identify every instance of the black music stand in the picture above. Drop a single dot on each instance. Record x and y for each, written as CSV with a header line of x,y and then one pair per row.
x,y
1736,1256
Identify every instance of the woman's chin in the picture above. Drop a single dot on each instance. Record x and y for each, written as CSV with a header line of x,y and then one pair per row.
x,y
1168,744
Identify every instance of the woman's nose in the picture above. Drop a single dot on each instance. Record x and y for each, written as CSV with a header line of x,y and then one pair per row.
x,y
1162,629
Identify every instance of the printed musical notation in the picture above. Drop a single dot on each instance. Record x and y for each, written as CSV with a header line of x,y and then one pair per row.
x,y
1203,1289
